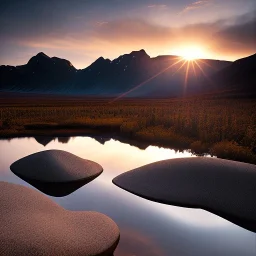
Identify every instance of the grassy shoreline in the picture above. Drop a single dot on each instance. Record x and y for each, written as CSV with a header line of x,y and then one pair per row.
x,y
222,127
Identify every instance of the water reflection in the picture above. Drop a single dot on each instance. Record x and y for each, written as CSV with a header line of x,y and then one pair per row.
x,y
45,140
147,228
56,189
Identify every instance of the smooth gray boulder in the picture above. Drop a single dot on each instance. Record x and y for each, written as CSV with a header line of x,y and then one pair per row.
x,y
32,224
223,187
56,172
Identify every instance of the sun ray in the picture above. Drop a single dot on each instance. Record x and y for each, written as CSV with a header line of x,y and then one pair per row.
x,y
206,63
193,66
186,78
185,61
204,73
146,81
201,69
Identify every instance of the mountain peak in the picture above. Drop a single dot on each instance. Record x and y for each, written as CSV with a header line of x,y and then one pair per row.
x,y
98,63
41,54
59,60
140,53
39,57
100,58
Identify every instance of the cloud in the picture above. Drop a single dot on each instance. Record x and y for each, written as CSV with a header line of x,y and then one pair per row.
x,y
242,30
161,6
101,23
93,32
133,30
196,5
231,37
144,34
238,37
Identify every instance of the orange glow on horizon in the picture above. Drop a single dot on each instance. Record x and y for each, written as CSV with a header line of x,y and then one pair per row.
x,y
191,52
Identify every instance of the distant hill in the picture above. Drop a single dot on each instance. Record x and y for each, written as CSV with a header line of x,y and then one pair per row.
x,y
240,75
161,76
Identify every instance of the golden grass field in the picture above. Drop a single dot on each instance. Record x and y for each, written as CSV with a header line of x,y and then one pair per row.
x,y
225,127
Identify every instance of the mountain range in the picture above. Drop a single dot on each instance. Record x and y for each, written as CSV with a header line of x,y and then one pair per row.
x,y
134,75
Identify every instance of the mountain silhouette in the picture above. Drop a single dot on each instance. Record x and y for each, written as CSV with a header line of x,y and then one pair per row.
x,y
241,75
135,74
40,74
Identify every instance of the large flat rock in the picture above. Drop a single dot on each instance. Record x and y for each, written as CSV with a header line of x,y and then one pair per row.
x,y
56,172
223,187
32,224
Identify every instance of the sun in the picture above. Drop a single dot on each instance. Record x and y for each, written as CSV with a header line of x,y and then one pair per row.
x,y
191,53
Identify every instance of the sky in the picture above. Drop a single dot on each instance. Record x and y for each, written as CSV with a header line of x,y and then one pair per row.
x,y
83,30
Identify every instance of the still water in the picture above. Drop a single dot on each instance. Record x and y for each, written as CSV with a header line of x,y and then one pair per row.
x,y
147,228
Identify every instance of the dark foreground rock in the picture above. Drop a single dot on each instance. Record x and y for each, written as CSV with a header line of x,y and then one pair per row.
x,y
31,224
56,172
223,187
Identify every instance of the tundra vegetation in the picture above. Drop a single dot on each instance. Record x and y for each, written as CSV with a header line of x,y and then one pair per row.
x,y
224,127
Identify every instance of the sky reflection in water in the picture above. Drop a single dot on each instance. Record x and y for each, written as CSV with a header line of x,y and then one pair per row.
x,y
147,228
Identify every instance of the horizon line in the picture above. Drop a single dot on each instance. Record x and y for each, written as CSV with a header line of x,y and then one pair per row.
x,y
177,56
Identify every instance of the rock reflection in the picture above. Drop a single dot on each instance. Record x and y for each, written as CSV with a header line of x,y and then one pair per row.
x,y
56,189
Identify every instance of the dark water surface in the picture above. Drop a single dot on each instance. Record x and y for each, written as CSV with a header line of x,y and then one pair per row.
x,y
147,228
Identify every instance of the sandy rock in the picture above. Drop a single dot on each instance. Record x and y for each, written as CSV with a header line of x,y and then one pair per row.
x,y
32,224
56,172
223,187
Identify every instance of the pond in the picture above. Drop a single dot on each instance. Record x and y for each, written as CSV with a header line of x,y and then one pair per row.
x,y
147,228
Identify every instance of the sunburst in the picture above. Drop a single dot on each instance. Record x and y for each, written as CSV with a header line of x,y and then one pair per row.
x,y
191,53
188,62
